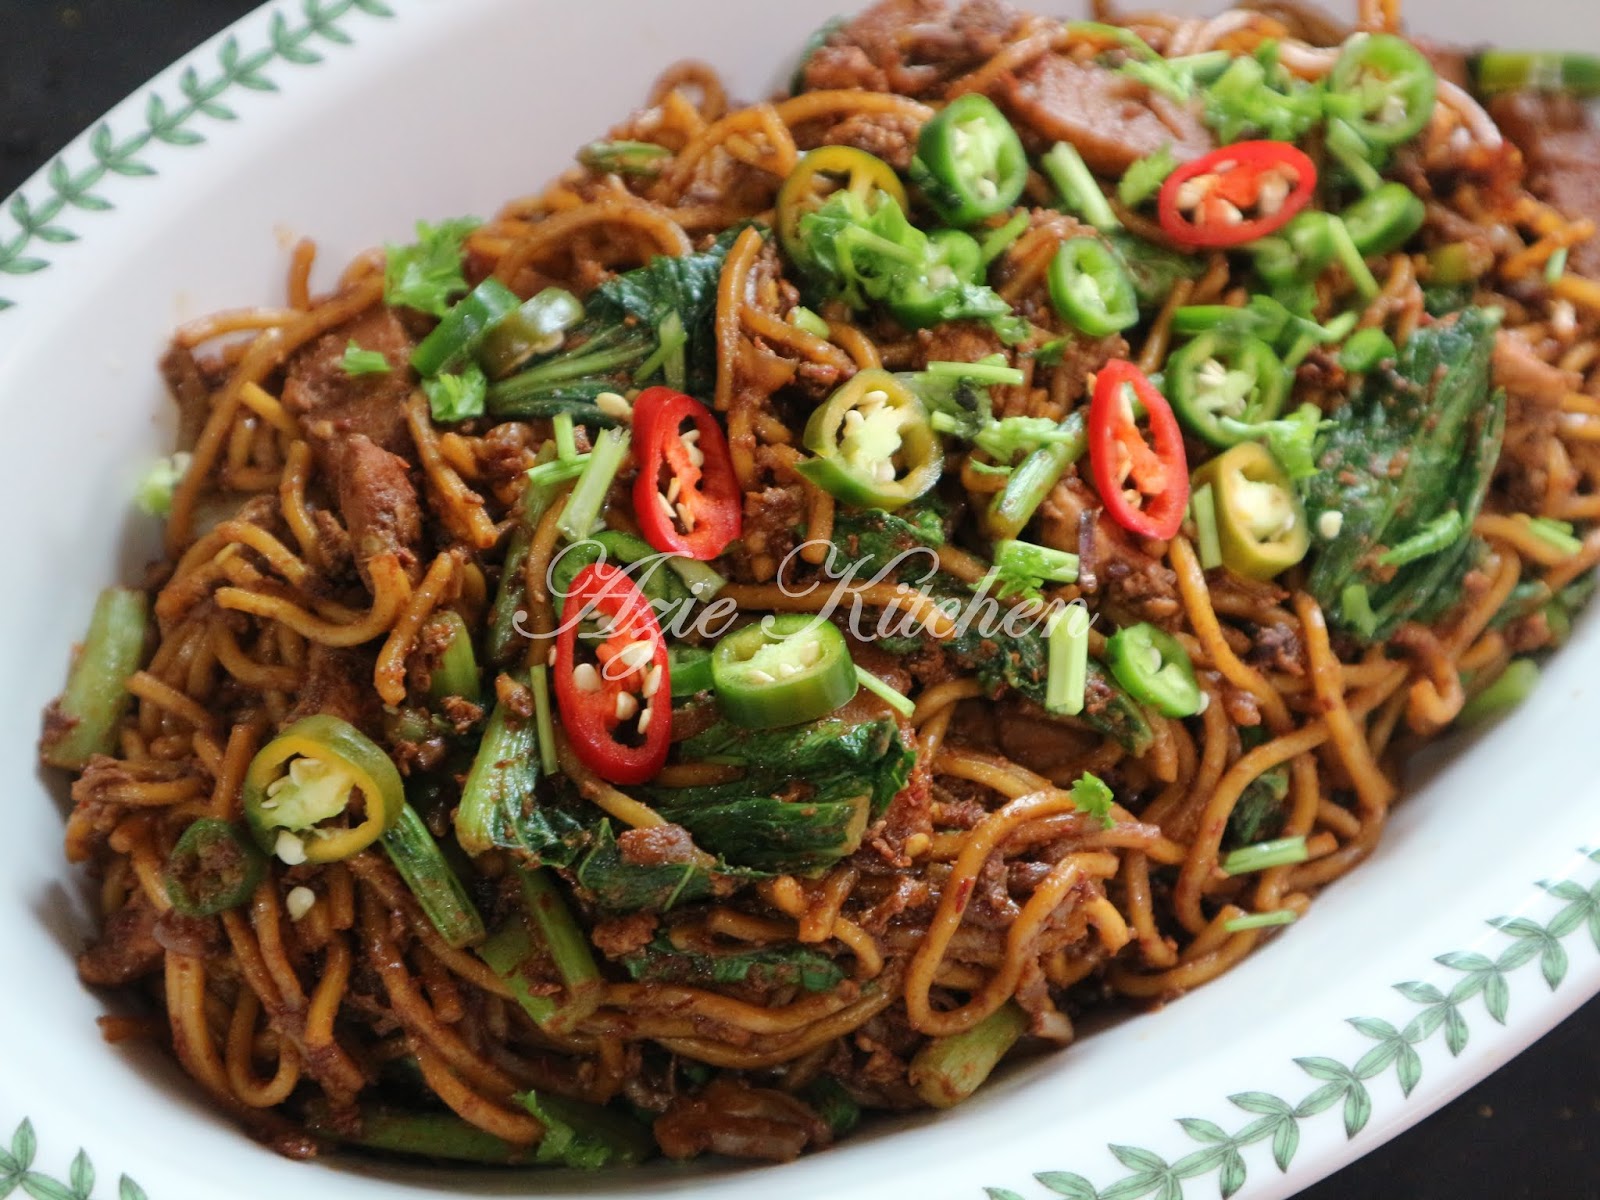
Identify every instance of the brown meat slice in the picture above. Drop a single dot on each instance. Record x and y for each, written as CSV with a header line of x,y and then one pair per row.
x,y
127,949
379,505
339,683
335,404
911,46
1559,139
1110,119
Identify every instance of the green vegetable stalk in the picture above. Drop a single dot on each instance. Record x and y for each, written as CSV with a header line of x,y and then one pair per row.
x,y
949,1069
84,720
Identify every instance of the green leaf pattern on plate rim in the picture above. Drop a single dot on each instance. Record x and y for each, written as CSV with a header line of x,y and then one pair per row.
x,y
1336,1086
40,221
45,217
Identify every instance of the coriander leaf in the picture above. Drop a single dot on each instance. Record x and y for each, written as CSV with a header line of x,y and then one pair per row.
x,y
453,398
357,361
1091,795
427,273
1010,438
1291,439
1144,178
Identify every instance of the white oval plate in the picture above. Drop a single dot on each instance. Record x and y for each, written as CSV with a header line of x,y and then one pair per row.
x,y
1474,929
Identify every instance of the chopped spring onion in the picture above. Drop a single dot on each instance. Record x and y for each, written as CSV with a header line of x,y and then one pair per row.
x,y
991,371
998,240
1080,192
1280,853
1357,609
566,443
1069,660
1436,535
153,494
802,317
1261,920
1203,505
884,692
1510,689
700,578
1553,533
1555,266
578,519
544,722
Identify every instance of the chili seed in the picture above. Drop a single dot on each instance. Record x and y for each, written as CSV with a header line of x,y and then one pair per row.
x,y
586,677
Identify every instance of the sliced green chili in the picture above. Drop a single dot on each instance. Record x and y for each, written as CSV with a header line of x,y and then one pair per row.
x,y
214,867
1154,668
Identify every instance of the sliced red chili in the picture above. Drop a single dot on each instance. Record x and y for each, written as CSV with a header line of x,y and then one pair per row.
x,y
616,697
1143,484
1236,194
686,497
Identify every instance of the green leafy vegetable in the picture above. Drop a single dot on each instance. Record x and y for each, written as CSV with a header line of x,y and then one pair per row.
x,y
806,796
1257,97
768,967
619,886
426,274
619,333
1418,443
866,253
587,1136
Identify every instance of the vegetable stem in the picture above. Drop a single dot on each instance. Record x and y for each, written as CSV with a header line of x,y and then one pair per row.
x,y
588,497
437,888
84,720
1280,853
949,1069
568,946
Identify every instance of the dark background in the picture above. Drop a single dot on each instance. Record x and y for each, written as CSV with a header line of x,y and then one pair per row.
x,y
1532,1131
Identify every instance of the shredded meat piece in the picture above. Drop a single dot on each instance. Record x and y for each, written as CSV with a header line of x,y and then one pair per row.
x,y
127,949
908,817
1110,119
1561,143
1277,648
515,696
380,507
740,1121
1110,564
891,138
338,682
621,936
911,46
336,404
196,937
772,518
656,846
956,341
190,392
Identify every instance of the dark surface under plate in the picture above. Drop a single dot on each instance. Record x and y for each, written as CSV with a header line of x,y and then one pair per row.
x,y
1530,1131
